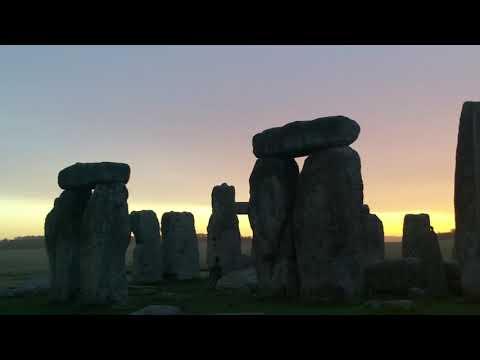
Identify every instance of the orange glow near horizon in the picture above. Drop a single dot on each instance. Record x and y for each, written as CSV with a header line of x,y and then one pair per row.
x,y
21,217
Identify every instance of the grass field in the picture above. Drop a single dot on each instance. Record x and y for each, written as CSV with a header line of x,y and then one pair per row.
x,y
193,296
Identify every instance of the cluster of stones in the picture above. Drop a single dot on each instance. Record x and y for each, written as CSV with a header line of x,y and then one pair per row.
x,y
312,234
87,234
171,253
421,270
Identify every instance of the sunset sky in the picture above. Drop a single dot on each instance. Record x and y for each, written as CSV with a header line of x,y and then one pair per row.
x,y
183,118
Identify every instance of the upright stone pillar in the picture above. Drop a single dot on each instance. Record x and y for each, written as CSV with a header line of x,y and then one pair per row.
x,y
181,256
272,197
223,239
106,237
420,241
147,256
328,229
63,229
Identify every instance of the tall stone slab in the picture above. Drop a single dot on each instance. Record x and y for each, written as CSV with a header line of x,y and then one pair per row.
x,y
373,241
273,185
328,229
147,254
63,235
106,235
467,185
420,241
223,238
181,257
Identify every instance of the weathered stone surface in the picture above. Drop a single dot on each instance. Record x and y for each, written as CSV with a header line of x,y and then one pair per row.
x,y
419,240
181,256
158,310
471,280
454,277
106,228
241,208
245,279
373,241
63,235
394,277
147,254
415,228
467,185
87,175
272,198
302,138
403,305
327,219
223,239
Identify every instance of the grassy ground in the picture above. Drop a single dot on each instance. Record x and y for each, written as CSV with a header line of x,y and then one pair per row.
x,y
192,296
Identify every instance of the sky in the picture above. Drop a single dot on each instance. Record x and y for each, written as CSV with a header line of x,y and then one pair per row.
x,y
183,118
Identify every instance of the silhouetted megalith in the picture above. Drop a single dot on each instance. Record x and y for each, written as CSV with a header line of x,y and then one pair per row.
x,y
420,241
63,235
180,245
223,239
106,235
273,185
373,241
87,175
467,185
147,255
327,219
302,138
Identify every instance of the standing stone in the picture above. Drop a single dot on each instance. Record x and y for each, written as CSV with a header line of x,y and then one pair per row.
x,y
180,245
105,240
272,197
223,239
467,185
420,241
373,241
63,230
87,175
327,219
415,227
147,256
300,138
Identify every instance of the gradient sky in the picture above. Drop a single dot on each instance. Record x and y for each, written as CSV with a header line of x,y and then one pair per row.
x,y
183,118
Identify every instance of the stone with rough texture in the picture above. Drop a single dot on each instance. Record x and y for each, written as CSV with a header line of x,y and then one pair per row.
x,y
394,277
87,175
106,228
327,225
147,255
158,310
471,280
301,138
419,240
373,241
467,185
223,238
63,235
180,245
245,279
272,197
454,277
